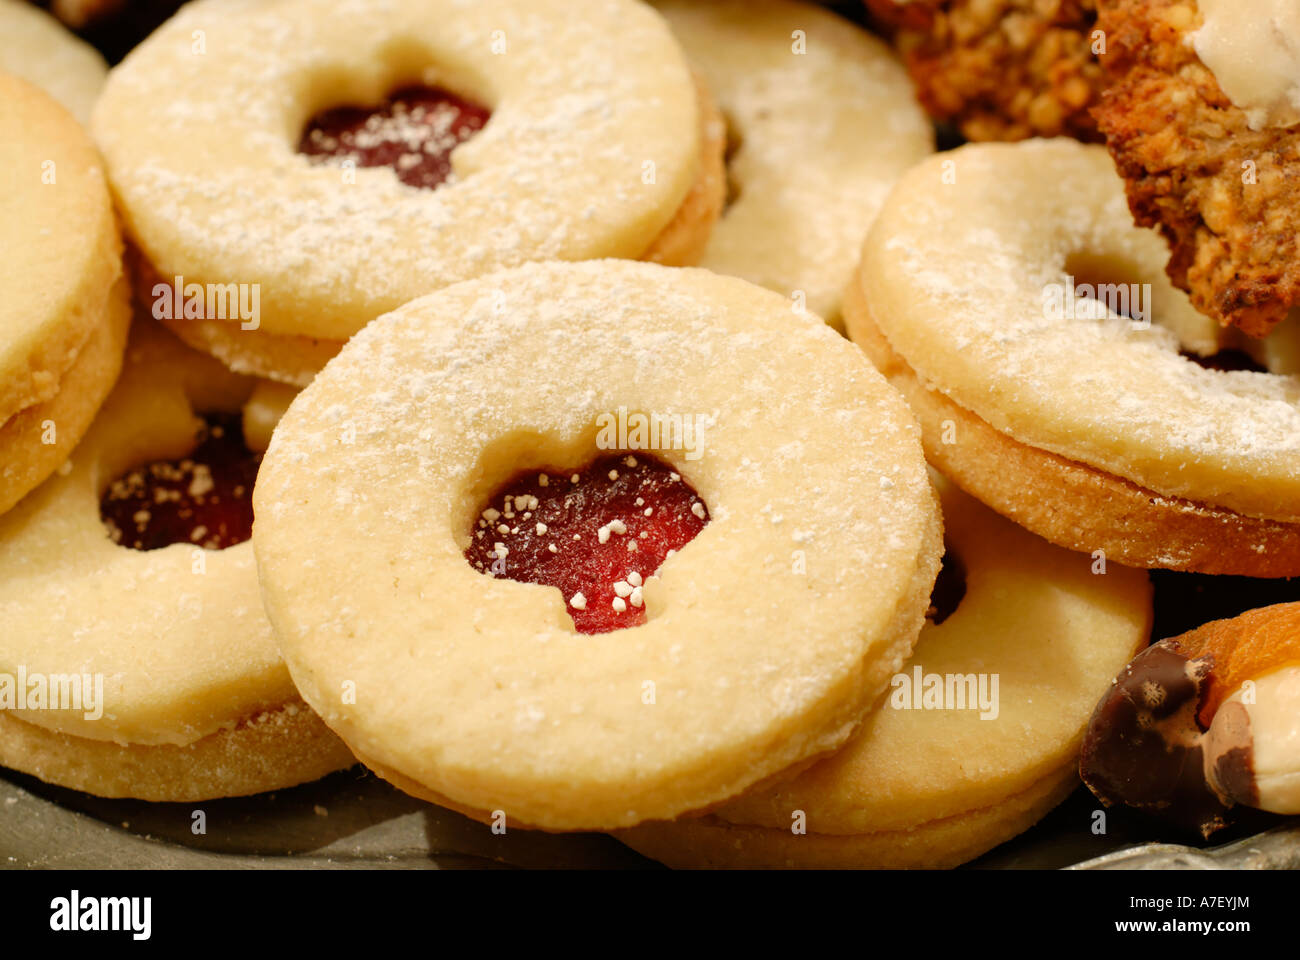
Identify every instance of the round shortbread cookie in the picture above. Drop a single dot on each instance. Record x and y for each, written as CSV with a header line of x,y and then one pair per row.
x,y
964,273
1073,505
823,121
592,148
177,634
296,359
60,264
929,783
38,439
767,635
269,751
36,47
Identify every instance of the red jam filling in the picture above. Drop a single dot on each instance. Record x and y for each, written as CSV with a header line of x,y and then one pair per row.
x,y
597,534
413,132
205,498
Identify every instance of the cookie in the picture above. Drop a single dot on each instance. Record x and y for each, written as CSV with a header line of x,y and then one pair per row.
x,y
755,636
821,122
950,765
1001,69
303,142
138,661
64,306
1199,115
1097,428
37,48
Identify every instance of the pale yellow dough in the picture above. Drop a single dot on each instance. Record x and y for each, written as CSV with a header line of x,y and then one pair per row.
x,y
294,360
178,633
263,410
36,47
278,748
37,440
929,788
768,635
954,273
592,148
821,136
62,301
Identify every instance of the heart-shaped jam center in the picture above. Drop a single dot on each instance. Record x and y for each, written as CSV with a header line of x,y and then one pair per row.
x,y
597,534
205,498
413,132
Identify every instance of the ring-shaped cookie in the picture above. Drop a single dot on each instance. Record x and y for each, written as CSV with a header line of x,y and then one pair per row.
x,y
592,149
189,668
64,307
767,635
36,47
799,86
958,272
276,748
937,785
1074,505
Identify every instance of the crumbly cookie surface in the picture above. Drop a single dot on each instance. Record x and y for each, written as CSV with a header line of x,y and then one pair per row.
x,y
1221,193
1001,70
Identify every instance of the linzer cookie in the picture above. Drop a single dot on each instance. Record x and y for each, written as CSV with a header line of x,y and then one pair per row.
x,y
64,305
820,123
504,572
1061,379
137,658
347,158
976,739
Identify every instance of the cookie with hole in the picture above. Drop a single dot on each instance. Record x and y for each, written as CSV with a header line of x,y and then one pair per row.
x,y
978,735
139,662
346,160
798,87
448,478
1101,424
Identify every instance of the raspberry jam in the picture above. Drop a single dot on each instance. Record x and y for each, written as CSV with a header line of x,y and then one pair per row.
x,y
205,499
597,534
413,132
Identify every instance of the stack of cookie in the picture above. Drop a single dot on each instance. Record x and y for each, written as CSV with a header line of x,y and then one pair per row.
x,y
521,335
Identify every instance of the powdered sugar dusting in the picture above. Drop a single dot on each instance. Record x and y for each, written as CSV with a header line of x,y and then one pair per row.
x,y
450,395
216,190
822,135
969,261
